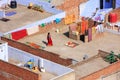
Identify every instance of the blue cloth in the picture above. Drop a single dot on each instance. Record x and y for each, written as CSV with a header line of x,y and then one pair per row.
x,y
10,13
57,20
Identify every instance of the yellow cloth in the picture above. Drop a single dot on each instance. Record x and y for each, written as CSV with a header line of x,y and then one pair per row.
x,y
29,62
93,30
70,19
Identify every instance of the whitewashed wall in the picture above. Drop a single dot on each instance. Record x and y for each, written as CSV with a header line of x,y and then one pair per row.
x,y
2,14
48,65
4,51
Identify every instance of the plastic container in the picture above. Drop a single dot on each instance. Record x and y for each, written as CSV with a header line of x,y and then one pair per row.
x,y
13,4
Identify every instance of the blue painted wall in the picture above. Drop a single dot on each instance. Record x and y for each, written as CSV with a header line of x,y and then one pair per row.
x,y
107,4
90,7
117,3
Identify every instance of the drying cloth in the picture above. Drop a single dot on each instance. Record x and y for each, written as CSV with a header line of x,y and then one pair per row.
x,y
10,13
19,34
34,45
89,34
32,30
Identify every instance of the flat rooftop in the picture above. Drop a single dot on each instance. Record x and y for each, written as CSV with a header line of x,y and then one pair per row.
x,y
23,17
115,76
45,75
89,67
106,42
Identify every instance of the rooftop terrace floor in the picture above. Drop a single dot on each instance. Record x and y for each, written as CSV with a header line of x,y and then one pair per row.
x,y
89,67
106,42
45,75
115,76
23,16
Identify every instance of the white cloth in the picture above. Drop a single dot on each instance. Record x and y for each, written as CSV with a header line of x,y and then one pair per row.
x,y
100,28
32,30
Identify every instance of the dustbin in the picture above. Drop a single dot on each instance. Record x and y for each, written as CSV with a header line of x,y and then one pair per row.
x,y
13,4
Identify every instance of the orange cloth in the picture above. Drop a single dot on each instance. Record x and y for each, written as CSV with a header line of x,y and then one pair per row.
x,y
83,24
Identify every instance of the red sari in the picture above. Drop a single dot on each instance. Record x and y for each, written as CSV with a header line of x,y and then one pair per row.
x,y
49,39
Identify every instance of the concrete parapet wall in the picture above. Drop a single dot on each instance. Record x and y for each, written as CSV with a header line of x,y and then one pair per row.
x,y
69,76
103,53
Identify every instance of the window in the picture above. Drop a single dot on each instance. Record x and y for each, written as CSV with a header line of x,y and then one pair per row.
x,y
107,0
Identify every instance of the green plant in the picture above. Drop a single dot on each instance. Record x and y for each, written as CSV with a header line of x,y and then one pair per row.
x,y
111,58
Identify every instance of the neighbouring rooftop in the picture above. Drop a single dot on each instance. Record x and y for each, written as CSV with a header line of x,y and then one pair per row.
x,y
114,76
89,67
20,58
23,17
45,75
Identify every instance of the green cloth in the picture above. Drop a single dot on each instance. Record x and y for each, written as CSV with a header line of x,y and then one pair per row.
x,y
42,25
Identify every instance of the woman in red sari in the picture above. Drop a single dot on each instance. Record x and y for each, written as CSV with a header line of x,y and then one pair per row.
x,y
49,39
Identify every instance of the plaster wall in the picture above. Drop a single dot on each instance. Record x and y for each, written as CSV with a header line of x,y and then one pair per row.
x,y
4,51
22,56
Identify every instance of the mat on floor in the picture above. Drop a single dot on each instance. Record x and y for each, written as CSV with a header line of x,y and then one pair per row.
x,y
71,44
10,13
5,19
34,45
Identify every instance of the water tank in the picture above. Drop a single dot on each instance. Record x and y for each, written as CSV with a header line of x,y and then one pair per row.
x,y
13,4
112,17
